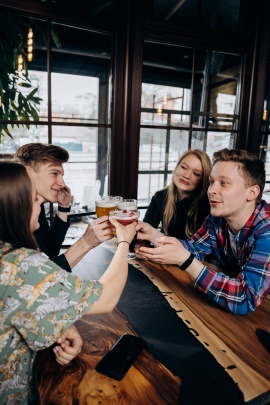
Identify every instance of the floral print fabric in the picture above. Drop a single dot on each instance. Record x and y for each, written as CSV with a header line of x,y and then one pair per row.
x,y
38,301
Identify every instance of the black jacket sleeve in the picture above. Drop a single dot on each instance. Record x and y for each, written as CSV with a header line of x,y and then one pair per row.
x,y
154,213
50,237
62,262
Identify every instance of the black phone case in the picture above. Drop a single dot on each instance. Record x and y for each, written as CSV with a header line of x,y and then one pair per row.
x,y
121,356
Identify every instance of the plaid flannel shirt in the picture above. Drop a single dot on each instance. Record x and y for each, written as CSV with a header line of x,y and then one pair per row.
x,y
250,281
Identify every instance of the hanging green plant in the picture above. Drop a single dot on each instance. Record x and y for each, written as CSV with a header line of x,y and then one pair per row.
x,y
15,105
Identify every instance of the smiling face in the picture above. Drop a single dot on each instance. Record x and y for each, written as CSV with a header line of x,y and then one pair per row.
x,y
188,175
228,194
49,180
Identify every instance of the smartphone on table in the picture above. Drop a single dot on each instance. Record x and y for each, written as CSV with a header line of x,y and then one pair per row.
x,y
121,356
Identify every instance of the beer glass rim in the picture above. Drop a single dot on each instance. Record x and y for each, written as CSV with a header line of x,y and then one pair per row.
x,y
116,211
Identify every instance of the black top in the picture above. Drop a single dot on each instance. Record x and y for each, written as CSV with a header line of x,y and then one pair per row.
x,y
50,238
155,211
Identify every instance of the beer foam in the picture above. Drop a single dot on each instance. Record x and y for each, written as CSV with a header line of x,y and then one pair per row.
x,y
125,216
125,205
106,204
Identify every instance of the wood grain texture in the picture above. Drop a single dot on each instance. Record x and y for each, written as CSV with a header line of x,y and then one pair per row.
x,y
230,338
147,381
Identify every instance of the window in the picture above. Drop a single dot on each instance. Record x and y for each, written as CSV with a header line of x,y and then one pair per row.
x,y
69,105
189,100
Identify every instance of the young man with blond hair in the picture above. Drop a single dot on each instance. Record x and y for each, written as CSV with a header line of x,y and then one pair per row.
x,y
236,234
45,165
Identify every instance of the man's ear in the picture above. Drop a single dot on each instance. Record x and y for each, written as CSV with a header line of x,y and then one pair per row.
x,y
253,192
29,169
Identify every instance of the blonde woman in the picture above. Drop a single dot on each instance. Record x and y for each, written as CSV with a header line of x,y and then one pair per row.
x,y
183,205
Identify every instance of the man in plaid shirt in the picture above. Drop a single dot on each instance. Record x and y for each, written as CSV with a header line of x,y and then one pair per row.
x,y
236,234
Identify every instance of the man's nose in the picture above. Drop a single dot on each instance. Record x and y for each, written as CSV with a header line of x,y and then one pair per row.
x,y
212,189
60,181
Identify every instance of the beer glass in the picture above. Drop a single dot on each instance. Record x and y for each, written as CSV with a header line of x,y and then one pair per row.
x,y
128,204
126,217
106,204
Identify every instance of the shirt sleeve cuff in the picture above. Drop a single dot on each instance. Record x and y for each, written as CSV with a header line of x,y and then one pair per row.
x,y
62,262
205,279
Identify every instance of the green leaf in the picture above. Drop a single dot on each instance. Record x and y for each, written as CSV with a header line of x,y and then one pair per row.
x,y
34,114
37,100
30,95
20,99
26,84
5,129
55,36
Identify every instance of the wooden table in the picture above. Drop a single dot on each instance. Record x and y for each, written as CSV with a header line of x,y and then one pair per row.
x,y
231,339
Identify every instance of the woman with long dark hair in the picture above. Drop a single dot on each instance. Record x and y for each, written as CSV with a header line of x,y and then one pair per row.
x,y
40,302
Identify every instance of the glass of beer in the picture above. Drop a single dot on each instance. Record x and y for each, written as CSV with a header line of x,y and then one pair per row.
x,y
128,204
106,204
126,217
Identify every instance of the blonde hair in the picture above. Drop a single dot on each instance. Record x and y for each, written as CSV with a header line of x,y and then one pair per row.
x,y
201,190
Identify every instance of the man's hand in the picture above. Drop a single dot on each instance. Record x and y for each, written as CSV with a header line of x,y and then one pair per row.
x,y
69,346
64,196
147,232
98,231
170,251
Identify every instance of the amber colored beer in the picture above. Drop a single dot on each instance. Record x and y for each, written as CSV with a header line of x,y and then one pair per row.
x,y
103,207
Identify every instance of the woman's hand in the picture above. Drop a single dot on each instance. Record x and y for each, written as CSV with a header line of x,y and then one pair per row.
x,y
138,244
170,251
126,233
69,346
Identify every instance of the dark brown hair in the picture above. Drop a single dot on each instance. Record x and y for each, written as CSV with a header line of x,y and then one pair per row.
x,y
15,205
36,154
250,167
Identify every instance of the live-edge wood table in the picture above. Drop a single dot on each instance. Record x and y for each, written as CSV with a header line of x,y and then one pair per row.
x,y
231,339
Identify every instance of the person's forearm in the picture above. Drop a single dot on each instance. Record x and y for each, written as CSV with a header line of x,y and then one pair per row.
x,y
194,269
76,252
113,281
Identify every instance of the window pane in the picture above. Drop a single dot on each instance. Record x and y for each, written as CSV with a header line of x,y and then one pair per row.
x,y
178,145
148,184
152,149
88,159
21,135
166,87
219,140
81,66
216,90
204,14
